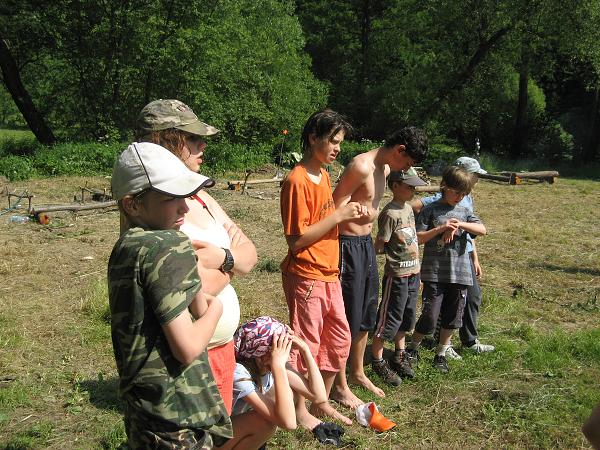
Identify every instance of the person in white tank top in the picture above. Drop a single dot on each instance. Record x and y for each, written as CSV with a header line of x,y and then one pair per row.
x,y
223,250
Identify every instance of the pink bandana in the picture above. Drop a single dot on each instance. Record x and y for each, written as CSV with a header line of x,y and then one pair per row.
x,y
253,339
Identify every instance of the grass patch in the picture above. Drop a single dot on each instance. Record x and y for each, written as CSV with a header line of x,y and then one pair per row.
x,y
36,436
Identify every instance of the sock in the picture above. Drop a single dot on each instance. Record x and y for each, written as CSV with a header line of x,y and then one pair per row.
x,y
377,360
399,351
441,349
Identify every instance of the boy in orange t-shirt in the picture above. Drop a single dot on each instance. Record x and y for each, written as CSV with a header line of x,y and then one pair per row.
x,y
310,270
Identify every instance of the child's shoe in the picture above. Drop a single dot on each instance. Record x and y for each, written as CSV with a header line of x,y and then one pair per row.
x,y
440,363
386,373
451,353
478,347
413,357
401,363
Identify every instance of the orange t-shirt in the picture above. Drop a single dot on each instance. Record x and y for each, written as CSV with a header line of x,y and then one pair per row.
x,y
304,203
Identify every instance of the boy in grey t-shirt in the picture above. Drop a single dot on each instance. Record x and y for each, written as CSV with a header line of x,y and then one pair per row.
x,y
446,268
397,238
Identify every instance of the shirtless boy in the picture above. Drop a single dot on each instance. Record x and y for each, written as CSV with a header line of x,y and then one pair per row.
x,y
363,181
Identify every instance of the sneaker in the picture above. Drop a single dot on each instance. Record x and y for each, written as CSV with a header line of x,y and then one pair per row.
x,y
385,372
440,363
413,357
478,347
401,363
451,353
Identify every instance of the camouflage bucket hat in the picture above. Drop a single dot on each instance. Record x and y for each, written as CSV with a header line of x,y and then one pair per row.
x,y
164,114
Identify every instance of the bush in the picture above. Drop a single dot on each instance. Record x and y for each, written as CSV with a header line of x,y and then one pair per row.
x,y
19,144
17,168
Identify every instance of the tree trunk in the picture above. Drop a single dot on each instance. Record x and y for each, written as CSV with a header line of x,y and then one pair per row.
x,y
590,150
14,85
459,79
520,132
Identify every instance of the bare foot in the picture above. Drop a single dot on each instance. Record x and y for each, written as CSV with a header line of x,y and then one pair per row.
x,y
307,420
362,380
326,410
346,397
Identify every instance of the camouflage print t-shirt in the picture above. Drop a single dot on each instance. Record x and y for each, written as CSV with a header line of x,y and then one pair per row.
x,y
396,227
152,279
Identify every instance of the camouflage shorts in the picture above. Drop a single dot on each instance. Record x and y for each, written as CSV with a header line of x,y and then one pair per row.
x,y
145,436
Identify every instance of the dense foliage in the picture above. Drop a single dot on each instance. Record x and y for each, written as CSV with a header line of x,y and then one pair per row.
x,y
519,75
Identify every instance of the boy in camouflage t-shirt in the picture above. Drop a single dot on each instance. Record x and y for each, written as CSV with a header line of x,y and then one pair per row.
x,y
161,322
397,238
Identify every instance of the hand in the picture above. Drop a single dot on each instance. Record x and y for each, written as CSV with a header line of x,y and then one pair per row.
x,y
478,271
448,235
352,210
213,302
209,255
280,349
300,344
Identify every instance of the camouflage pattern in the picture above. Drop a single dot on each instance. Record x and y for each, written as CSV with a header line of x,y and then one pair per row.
x,y
152,278
164,114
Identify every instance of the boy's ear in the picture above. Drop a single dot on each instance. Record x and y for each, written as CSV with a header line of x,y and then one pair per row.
x,y
400,148
130,205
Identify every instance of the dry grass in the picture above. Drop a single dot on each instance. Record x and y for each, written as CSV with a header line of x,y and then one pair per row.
x,y
541,277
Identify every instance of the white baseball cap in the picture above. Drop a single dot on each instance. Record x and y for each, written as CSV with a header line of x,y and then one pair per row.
x,y
144,165
469,164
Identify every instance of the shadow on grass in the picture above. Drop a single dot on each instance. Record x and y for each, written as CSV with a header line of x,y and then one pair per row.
x,y
572,270
103,393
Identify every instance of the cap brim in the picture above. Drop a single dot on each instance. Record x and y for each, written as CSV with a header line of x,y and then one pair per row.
x,y
414,181
481,171
198,128
184,186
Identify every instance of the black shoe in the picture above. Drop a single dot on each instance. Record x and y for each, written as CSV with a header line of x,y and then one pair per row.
x,y
413,357
440,363
401,363
382,368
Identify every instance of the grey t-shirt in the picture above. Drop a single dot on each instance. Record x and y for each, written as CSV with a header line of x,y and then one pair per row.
x,y
446,263
397,229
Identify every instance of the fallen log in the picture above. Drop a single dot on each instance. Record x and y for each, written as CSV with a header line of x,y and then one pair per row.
x,y
71,207
237,184
427,188
489,176
546,175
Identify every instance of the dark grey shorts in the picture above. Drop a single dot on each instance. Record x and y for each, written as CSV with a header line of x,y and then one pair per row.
x,y
445,299
360,282
398,307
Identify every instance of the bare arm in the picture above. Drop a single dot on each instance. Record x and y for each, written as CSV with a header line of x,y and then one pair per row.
x,y
317,230
426,236
478,229
475,259
188,339
416,205
213,280
312,386
379,245
242,248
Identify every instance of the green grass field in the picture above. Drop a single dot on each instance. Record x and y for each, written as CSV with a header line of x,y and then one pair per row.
x,y
541,309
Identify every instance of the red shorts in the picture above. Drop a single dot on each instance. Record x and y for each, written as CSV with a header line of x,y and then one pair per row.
x,y
317,315
222,364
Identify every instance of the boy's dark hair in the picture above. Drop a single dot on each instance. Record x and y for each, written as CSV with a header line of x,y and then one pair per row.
x,y
325,123
414,140
458,179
